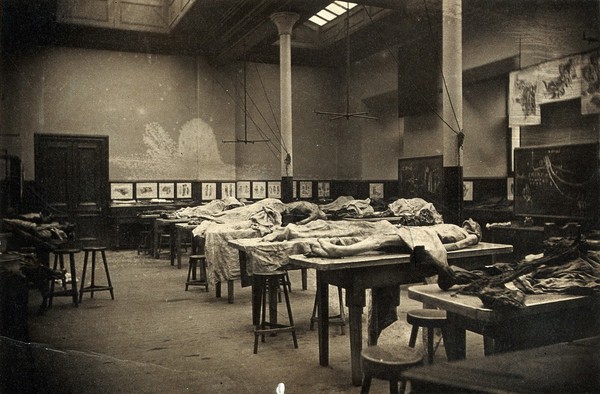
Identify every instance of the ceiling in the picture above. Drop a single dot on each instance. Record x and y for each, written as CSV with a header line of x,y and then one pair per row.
x,y
229,30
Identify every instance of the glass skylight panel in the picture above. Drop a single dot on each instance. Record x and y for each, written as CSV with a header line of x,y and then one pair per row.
x,y
328,16
345,4
336,9
316,20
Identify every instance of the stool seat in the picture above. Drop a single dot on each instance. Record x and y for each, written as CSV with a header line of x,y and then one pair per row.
x,y
380,363
92,288
64,251
270,282
429,319
197,261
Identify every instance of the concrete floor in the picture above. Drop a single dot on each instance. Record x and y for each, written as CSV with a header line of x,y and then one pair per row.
x,y
156,337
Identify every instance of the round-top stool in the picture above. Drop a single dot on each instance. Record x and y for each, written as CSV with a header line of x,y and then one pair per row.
x,y
93,287
197,262
382,364
59,263
429,319
270,282
336,320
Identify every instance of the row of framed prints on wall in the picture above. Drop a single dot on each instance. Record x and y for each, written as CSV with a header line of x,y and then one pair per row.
x,y
207,191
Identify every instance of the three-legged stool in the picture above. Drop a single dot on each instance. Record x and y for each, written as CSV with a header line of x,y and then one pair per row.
x,y
386,365
93,287
428,319
59,263
269,282
336,320
197,261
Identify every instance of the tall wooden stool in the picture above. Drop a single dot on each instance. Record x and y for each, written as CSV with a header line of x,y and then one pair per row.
x,y
429,319
336,320
381,364
93,287
59,263
197,261
269,282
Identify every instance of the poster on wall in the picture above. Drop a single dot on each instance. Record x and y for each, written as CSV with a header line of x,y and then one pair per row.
x,y
590,83
558,80
323,190
184,190
121,191
523,108
166,190
510,188
274,189
243,189
467,190
259,190
146,190
209,191
305,189
376,190
228,190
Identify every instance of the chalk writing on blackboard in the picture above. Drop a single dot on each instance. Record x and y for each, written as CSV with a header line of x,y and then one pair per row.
x,y
557,181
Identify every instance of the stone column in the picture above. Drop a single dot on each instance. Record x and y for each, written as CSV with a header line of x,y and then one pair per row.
x,y
452,105
285,22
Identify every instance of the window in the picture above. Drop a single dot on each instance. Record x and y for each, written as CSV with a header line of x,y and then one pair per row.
x,y
331,12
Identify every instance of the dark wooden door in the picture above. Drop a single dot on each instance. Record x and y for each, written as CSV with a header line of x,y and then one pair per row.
x,y
72,174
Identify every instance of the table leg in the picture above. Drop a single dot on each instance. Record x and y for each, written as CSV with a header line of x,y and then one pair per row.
x,y
172,236
230,291
256,298
355,300
304,274
156,240
323,324
218,289
178,232
273,285
455,337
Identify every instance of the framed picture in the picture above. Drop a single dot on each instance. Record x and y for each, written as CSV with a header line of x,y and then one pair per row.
x,y
376,190
184,190
323,189
121,191
259,190
510,188
209,191
274,189
146,190
467,190
228,190
166,190
422,177
243,189
306,189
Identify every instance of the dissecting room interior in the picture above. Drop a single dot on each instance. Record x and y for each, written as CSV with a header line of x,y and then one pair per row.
x,y
188,186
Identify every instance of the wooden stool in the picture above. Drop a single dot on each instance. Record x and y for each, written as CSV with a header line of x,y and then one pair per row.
x,y
382,364
59,262
429,319
269,282
197,261
144,244
336,320
93,287
161,240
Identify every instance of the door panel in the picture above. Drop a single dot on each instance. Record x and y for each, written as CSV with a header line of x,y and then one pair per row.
x,y
72,171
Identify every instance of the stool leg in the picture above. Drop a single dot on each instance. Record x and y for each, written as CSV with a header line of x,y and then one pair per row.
x,y
92,274
112,295
85,263
313,317
258,297
366,385
73,278
52,283
413,336
393,386
189,275
264,309
430,345
291,318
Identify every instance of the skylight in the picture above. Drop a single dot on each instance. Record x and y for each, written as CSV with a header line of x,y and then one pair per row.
x,y
332,11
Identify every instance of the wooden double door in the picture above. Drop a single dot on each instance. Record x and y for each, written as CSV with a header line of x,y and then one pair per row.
x,y
71,174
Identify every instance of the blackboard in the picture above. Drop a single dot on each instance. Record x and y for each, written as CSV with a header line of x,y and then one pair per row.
x,y
422,177
559,181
